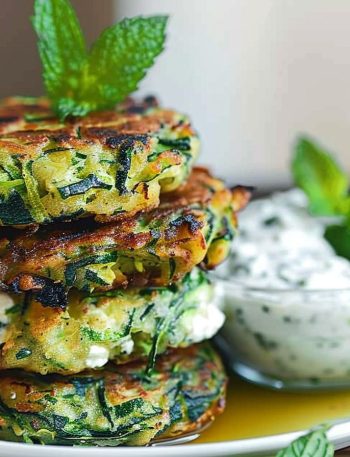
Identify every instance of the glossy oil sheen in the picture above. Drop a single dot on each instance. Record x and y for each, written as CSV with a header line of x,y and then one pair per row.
x,y
254,411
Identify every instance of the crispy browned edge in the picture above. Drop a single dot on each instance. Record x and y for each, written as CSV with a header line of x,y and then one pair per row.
x,y
27,138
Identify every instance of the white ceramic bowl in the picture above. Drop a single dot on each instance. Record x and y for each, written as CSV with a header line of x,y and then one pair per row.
x,y
289,338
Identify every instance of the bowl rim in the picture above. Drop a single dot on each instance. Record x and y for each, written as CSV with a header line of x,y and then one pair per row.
x,y
234,284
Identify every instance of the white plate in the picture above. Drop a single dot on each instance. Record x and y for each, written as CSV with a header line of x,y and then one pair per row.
x,y
339,434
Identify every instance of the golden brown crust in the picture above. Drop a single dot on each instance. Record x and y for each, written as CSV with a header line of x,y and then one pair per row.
x,y
102,165
196,221
60,341
17,129
185,392
241,196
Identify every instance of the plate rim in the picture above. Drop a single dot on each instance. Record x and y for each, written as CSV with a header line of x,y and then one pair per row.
x,y
339,435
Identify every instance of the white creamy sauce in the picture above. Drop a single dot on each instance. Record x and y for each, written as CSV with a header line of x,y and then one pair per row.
x,y
281,246
301,329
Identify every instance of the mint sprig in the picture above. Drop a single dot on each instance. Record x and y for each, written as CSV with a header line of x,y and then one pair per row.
x,y
317,173
79,81
314,444
338,236
326,185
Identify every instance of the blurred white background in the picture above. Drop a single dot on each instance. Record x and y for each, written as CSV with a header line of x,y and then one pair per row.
x,y
251,73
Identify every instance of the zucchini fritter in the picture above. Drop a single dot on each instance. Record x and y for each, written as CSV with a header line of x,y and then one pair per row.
x,y
117,406
193,225
102,165
116,325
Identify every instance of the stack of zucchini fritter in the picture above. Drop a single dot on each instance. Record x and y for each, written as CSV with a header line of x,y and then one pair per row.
x,y
107,231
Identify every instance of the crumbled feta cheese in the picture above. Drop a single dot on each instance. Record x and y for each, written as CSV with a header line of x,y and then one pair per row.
x,y
127,345
205,323
98,356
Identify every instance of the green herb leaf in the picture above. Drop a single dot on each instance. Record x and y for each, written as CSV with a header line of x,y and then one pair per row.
x,y
78,82
61,46
321,178
120,58
338,236
315,444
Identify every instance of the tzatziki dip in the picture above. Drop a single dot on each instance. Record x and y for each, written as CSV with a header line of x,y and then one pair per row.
x,y
287,297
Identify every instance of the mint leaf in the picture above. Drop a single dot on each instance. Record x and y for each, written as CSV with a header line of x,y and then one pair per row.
x,y
61,47
120,57
69,107
78,82
314,444
338,236
321,178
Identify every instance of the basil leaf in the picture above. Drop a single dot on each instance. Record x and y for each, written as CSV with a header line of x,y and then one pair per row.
x,y
321,178
120,57
61,46
314,444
